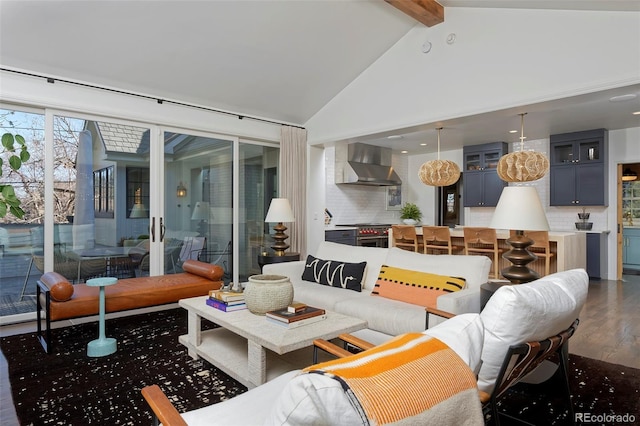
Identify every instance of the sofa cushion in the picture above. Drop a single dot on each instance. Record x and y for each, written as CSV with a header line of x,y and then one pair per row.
x,y
418,288
474,269
528,312
334,273
374,256
388,316
321,296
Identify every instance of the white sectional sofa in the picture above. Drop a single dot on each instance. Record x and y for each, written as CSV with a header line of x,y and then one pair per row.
x,y
387,317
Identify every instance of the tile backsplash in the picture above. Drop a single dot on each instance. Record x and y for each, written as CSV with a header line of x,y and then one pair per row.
x,y
357,203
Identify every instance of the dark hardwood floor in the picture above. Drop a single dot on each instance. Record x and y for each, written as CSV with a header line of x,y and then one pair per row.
x,y
609,330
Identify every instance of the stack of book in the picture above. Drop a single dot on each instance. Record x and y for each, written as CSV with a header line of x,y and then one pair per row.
x,y
227,301
296,315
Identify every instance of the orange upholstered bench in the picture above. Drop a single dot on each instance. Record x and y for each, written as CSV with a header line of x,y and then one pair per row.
x,y
62,300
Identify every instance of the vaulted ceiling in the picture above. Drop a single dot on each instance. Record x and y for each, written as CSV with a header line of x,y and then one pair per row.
x,y
280,60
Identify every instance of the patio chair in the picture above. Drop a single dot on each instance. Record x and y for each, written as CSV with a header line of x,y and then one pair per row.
x,y
218,257
172,251
64,263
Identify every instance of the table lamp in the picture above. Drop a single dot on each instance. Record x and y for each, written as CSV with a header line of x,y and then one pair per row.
x,y
279,211
520,209
201,213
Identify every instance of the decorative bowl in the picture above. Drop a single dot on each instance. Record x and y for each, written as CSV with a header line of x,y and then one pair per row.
x,y
264,293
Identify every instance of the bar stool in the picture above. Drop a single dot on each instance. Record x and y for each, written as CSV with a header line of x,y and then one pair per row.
x,y
540,247
404,237
483,241
438,239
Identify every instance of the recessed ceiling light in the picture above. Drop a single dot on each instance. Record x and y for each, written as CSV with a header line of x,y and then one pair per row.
x,y
513,131
423,144
395,137
636,113
623,98
404,152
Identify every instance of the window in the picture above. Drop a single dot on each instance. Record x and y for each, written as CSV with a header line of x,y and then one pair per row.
x,y
103,190
137,192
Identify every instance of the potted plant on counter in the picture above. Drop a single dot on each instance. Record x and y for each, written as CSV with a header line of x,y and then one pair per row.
x,y
410,214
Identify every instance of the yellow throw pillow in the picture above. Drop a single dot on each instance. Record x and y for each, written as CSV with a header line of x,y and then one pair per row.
x,y
418,288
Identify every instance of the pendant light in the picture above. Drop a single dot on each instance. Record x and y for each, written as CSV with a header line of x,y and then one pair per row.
x,y
522,166
439,172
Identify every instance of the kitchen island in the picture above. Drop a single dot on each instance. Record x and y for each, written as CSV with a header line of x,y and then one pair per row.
x,y
570,249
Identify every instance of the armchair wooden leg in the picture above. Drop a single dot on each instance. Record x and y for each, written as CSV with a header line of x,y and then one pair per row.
x,y
162,407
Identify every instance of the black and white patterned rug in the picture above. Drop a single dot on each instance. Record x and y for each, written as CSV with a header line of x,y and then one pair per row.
x,y
69,388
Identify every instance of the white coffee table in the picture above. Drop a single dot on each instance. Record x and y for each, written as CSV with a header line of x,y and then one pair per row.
x,y
245,344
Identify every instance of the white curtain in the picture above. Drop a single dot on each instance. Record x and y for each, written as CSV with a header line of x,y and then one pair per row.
x,y
293,184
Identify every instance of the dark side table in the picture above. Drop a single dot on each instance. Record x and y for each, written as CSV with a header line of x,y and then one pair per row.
x,y
266,259
487,290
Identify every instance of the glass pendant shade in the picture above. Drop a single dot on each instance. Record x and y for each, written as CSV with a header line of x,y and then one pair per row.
x,y
522,166
439,172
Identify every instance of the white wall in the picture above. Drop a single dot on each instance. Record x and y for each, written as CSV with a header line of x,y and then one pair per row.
x,y
501,58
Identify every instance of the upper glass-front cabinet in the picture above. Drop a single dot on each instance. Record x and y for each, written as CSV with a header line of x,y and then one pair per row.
x,y
483,157
577,148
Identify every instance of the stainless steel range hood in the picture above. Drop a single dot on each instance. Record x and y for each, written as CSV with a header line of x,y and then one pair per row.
x,y
362,164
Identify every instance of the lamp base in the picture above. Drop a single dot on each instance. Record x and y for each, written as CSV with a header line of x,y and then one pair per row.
x,y
280,246
202,228
519,256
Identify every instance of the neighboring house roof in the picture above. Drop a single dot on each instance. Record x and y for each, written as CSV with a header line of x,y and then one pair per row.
x,y
123,138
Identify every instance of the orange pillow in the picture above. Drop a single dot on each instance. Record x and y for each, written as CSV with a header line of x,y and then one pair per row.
x,y
417,288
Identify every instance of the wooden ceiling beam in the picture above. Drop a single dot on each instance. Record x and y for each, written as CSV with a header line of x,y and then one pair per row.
x,y
428,12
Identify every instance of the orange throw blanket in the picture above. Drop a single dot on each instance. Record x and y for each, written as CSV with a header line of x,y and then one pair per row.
x,y
412,379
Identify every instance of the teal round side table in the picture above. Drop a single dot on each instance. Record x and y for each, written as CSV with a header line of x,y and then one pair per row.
x,y
103,345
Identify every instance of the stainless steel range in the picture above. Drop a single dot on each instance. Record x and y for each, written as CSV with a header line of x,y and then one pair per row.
x,y
371,234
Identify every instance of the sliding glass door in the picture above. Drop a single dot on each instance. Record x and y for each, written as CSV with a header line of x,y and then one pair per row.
x,y
258,184
21,239
202,172
198,200
107,197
